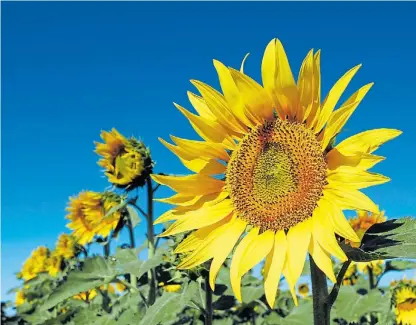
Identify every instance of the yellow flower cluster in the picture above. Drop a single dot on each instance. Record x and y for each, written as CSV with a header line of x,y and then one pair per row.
x,y
87,215
35,264
126,162
404,302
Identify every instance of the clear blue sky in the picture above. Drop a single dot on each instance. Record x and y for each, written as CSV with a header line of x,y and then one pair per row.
x,y
71,69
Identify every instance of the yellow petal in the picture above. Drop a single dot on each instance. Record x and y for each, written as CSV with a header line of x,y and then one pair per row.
x,y
203,217
275,261
313,112
358,160
333,96
256,99
208,130
367,141
243,62
200,106
339,118
353,199
290,283
306,87
323,232
231,94
237,259
180,199
223,248
218,107
192,184
208,248
298,239
256,251
354,178
202,148
205,167
341,225
322,260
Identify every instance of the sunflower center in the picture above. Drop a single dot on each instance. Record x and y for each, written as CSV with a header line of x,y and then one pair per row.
x,y
276,175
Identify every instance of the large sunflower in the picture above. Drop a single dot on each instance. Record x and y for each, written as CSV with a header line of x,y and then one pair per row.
x,y
404,302
266,171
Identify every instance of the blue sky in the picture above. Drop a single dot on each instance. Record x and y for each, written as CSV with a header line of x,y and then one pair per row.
x,y
71,69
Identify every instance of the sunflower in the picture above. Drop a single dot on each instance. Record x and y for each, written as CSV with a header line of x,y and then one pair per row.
x,y
127,162
87,213
267,171
303,289
363,221
170,287
20,298
351,275
65,246
404,302
53,264
376,267
35,264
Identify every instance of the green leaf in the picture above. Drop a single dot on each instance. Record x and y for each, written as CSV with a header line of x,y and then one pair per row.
x,y
302,315
351,306
251,293
166,307
116,208
134,216
95,272
391,239
400,265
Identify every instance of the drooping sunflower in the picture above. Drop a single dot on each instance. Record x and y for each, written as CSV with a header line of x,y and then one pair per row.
x,y
363,221
65,246
404,302
267,172
87,215
127,162
35,264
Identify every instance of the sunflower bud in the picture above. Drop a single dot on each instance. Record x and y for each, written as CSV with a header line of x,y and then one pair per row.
x,y
126,162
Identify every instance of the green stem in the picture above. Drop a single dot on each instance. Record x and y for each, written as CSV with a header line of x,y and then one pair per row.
x,y
208,302
107,248
151,275
337,286
133,278
371,278
321,311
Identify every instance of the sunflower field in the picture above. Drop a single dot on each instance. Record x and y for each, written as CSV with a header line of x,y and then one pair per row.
x,y
255,233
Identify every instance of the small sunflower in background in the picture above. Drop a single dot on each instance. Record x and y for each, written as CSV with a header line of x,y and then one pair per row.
x,y
351,275
267,171
303,289
376,267
127,162
65,246
53,264
174,287
404,302
87,215
363,221
35,264
20,298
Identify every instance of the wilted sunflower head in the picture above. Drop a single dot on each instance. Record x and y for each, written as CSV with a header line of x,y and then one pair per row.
x,y
127,162
363,221
404,302
267,172
35,264
65,246
87,213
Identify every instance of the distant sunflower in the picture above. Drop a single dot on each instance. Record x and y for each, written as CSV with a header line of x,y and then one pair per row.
x,y
404,302
303,289
376,267
65,246
20,298
351,275
53,264
127,162
278,177
170,287
363,221
35,264
87,215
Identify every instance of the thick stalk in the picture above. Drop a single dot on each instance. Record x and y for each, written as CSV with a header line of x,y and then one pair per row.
x,y
208,302
321,311
151,242
133,279
371,278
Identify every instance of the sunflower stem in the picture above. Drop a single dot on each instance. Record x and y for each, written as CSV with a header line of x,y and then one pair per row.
x,y
371,278
208,301
337,286
151,275
321,310
133,278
